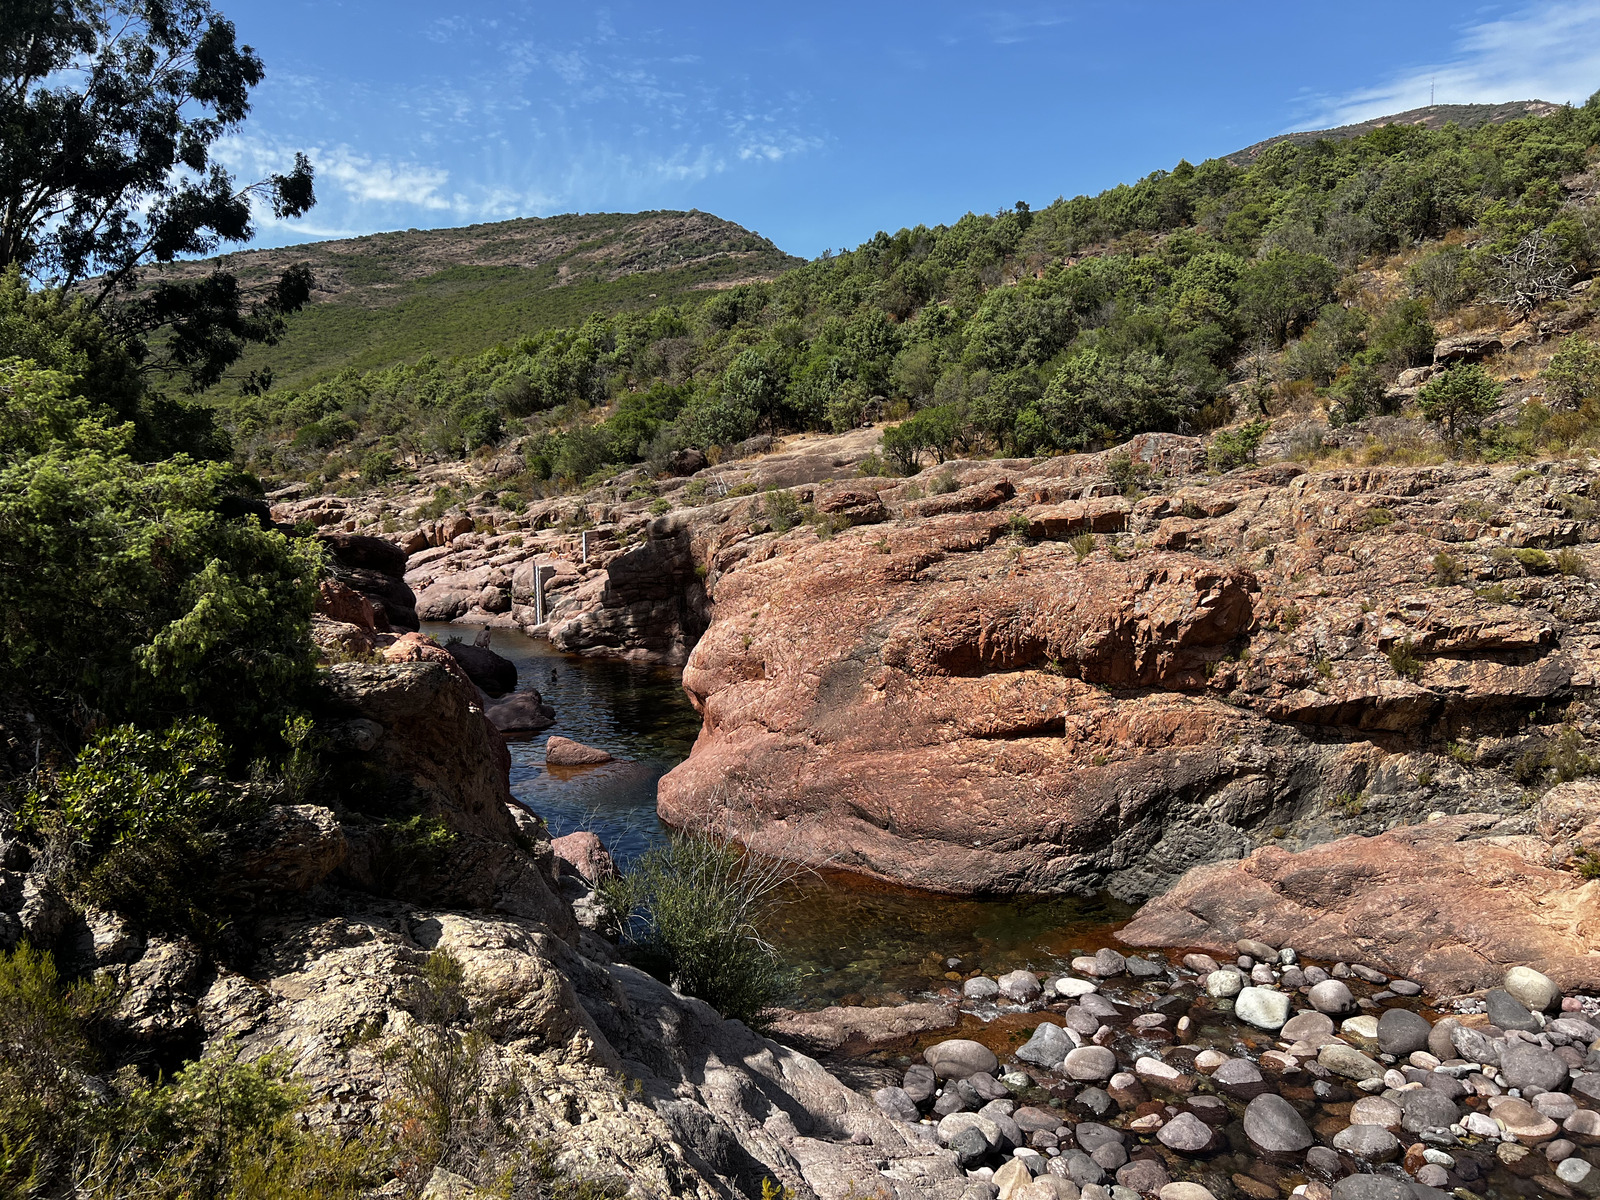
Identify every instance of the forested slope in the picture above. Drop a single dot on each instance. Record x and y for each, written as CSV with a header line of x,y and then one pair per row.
x,y
1186,301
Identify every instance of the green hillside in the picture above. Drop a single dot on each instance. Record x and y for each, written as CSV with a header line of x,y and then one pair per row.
x,y
387,298
1312,275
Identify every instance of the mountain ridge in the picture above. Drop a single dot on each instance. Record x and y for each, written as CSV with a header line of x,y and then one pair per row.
x,y
1433,116
383,298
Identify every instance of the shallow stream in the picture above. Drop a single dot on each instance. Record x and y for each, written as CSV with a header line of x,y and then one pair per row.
x,y
852,940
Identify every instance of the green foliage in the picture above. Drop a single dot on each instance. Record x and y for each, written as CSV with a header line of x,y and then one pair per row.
x,y
1459,398
1376,517
694,910
131,786
124,589
139,822
1588,863
781,509
933,430
1232,448
1087,346
1403,660
1570,562
1446,570
221,1128
113,112
1573,375
1083,545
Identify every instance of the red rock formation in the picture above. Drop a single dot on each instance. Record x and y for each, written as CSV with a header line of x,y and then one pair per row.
x,y
958,698
1439,903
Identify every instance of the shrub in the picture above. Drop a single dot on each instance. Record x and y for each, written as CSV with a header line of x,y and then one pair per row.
x,y
1126,474
125,590
781,509
1404,661
376,467
872,466
944,483
1459,399
1376,518
220,1128
1573,375
694,910
1083,545
1570,562
1534,560
1446,570
1232,448
661,507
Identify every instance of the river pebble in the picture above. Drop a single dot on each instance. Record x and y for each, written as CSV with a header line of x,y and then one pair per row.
x,y
1107,1097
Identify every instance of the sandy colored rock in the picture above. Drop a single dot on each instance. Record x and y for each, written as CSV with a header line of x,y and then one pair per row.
x,y
564,752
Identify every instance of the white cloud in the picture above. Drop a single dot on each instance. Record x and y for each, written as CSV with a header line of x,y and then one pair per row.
x,y
1547,50
373,181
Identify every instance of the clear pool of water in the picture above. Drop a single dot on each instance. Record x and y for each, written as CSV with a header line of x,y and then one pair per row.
x,y
849,939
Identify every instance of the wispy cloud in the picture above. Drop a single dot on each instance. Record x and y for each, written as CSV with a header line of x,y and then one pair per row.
x,y
1548,50
598,119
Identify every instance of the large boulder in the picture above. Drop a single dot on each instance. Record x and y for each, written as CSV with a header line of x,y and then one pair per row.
x,y
494,673
520,712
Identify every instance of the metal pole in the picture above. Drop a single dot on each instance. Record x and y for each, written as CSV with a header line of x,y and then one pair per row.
x,y
585,545
538,593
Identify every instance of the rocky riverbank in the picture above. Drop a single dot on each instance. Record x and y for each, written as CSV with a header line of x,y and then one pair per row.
x,y
1259,1075
343,908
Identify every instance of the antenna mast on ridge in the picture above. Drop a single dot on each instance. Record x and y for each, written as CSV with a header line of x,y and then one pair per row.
x,y
1430,93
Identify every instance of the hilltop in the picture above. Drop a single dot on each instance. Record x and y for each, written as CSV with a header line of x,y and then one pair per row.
x,y
389,297
1433,116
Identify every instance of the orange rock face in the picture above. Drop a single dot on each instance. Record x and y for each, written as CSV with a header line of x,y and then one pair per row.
x,y
1439,903
1035,683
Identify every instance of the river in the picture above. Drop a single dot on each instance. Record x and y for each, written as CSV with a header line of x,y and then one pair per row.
x,y
850,940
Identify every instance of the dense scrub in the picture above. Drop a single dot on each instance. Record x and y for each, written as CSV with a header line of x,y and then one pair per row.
x,y
1021,332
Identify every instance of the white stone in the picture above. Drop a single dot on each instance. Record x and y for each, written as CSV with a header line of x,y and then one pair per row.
x,y
1537,991
1262,1008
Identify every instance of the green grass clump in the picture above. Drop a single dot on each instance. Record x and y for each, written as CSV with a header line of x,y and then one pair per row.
x,y
693,912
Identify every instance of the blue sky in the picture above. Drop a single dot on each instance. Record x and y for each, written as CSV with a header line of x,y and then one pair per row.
x,y
818,124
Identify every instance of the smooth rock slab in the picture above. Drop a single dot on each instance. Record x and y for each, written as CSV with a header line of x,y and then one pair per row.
x,y
1262,1008
1375,1110
1186,1191
1272,1123
957,1058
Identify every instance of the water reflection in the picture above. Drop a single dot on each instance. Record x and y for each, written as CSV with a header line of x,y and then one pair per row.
x,y
636,711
